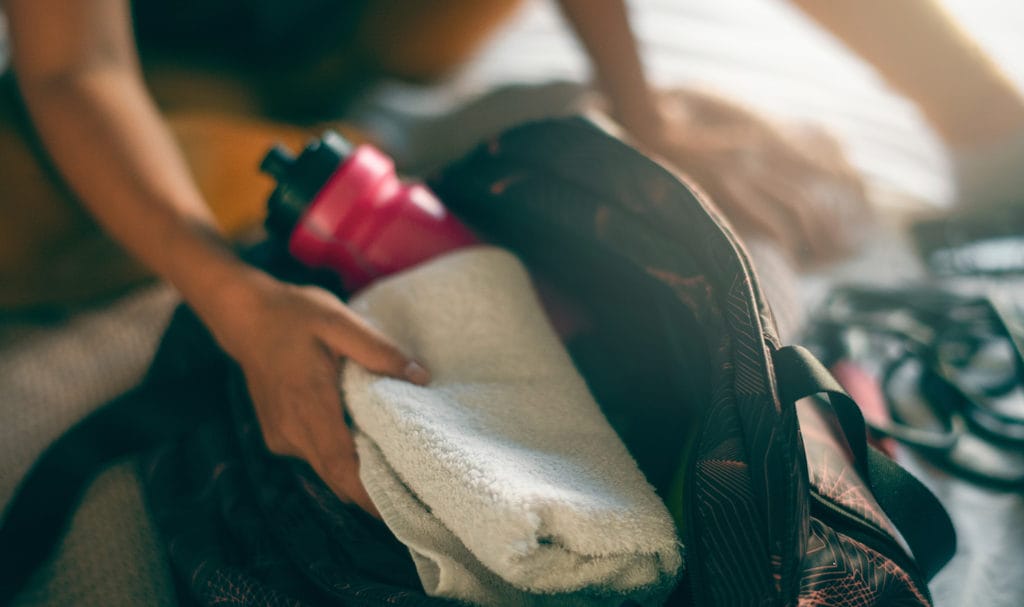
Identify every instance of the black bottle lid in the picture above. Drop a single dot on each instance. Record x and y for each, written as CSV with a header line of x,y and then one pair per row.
x,y
300,179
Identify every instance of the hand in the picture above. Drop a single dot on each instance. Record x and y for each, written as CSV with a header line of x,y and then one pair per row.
x,y
796,188
288,340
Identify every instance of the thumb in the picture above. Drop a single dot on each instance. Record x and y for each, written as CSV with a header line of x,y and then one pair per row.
x,y
350,336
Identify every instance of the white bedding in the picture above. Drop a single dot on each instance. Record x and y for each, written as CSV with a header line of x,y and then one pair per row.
x,y
762,52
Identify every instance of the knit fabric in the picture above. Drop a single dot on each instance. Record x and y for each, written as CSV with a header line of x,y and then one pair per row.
x,y
52,375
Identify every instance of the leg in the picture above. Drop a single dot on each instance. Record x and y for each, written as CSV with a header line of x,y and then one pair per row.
x,y
922,52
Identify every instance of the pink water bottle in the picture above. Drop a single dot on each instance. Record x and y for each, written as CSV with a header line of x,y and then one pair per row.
x,y
344,208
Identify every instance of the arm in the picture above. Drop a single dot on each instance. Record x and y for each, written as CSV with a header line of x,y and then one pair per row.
x,y
602,26
78,74
757,176
80,77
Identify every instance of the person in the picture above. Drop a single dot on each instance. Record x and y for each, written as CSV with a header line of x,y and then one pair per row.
x,y
87,101
167,181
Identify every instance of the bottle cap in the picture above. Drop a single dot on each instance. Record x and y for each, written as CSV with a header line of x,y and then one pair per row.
x,y
300,179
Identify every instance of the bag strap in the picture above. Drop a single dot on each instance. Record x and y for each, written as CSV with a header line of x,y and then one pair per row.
x,y
914,510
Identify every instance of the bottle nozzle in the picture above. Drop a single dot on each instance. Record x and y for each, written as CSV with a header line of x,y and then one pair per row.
x,y
278,162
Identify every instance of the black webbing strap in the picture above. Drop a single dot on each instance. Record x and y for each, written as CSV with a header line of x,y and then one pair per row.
x,y
914,510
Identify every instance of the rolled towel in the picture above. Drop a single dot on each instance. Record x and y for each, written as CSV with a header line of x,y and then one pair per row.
x,y
502,476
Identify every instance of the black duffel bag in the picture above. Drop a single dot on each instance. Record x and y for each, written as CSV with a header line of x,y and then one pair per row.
x,y
783,502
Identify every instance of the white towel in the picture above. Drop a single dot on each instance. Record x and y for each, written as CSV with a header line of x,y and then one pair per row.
x,y
502,476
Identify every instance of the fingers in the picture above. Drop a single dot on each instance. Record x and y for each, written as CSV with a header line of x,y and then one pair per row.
x,y
763,202
750,208
794,187
810,232
348,335
305,419
816,224
340,471
332,450
291,371
709,108
770,187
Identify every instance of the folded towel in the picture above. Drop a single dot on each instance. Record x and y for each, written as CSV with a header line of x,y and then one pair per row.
x,y
502,476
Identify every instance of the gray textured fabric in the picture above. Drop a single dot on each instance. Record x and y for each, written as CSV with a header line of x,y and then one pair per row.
x,y
111,555
52,375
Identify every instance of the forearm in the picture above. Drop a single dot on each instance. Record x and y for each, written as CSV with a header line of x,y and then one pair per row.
x,y
111,146
603,28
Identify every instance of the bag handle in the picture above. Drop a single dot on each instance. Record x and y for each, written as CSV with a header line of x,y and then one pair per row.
x,y
914,510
